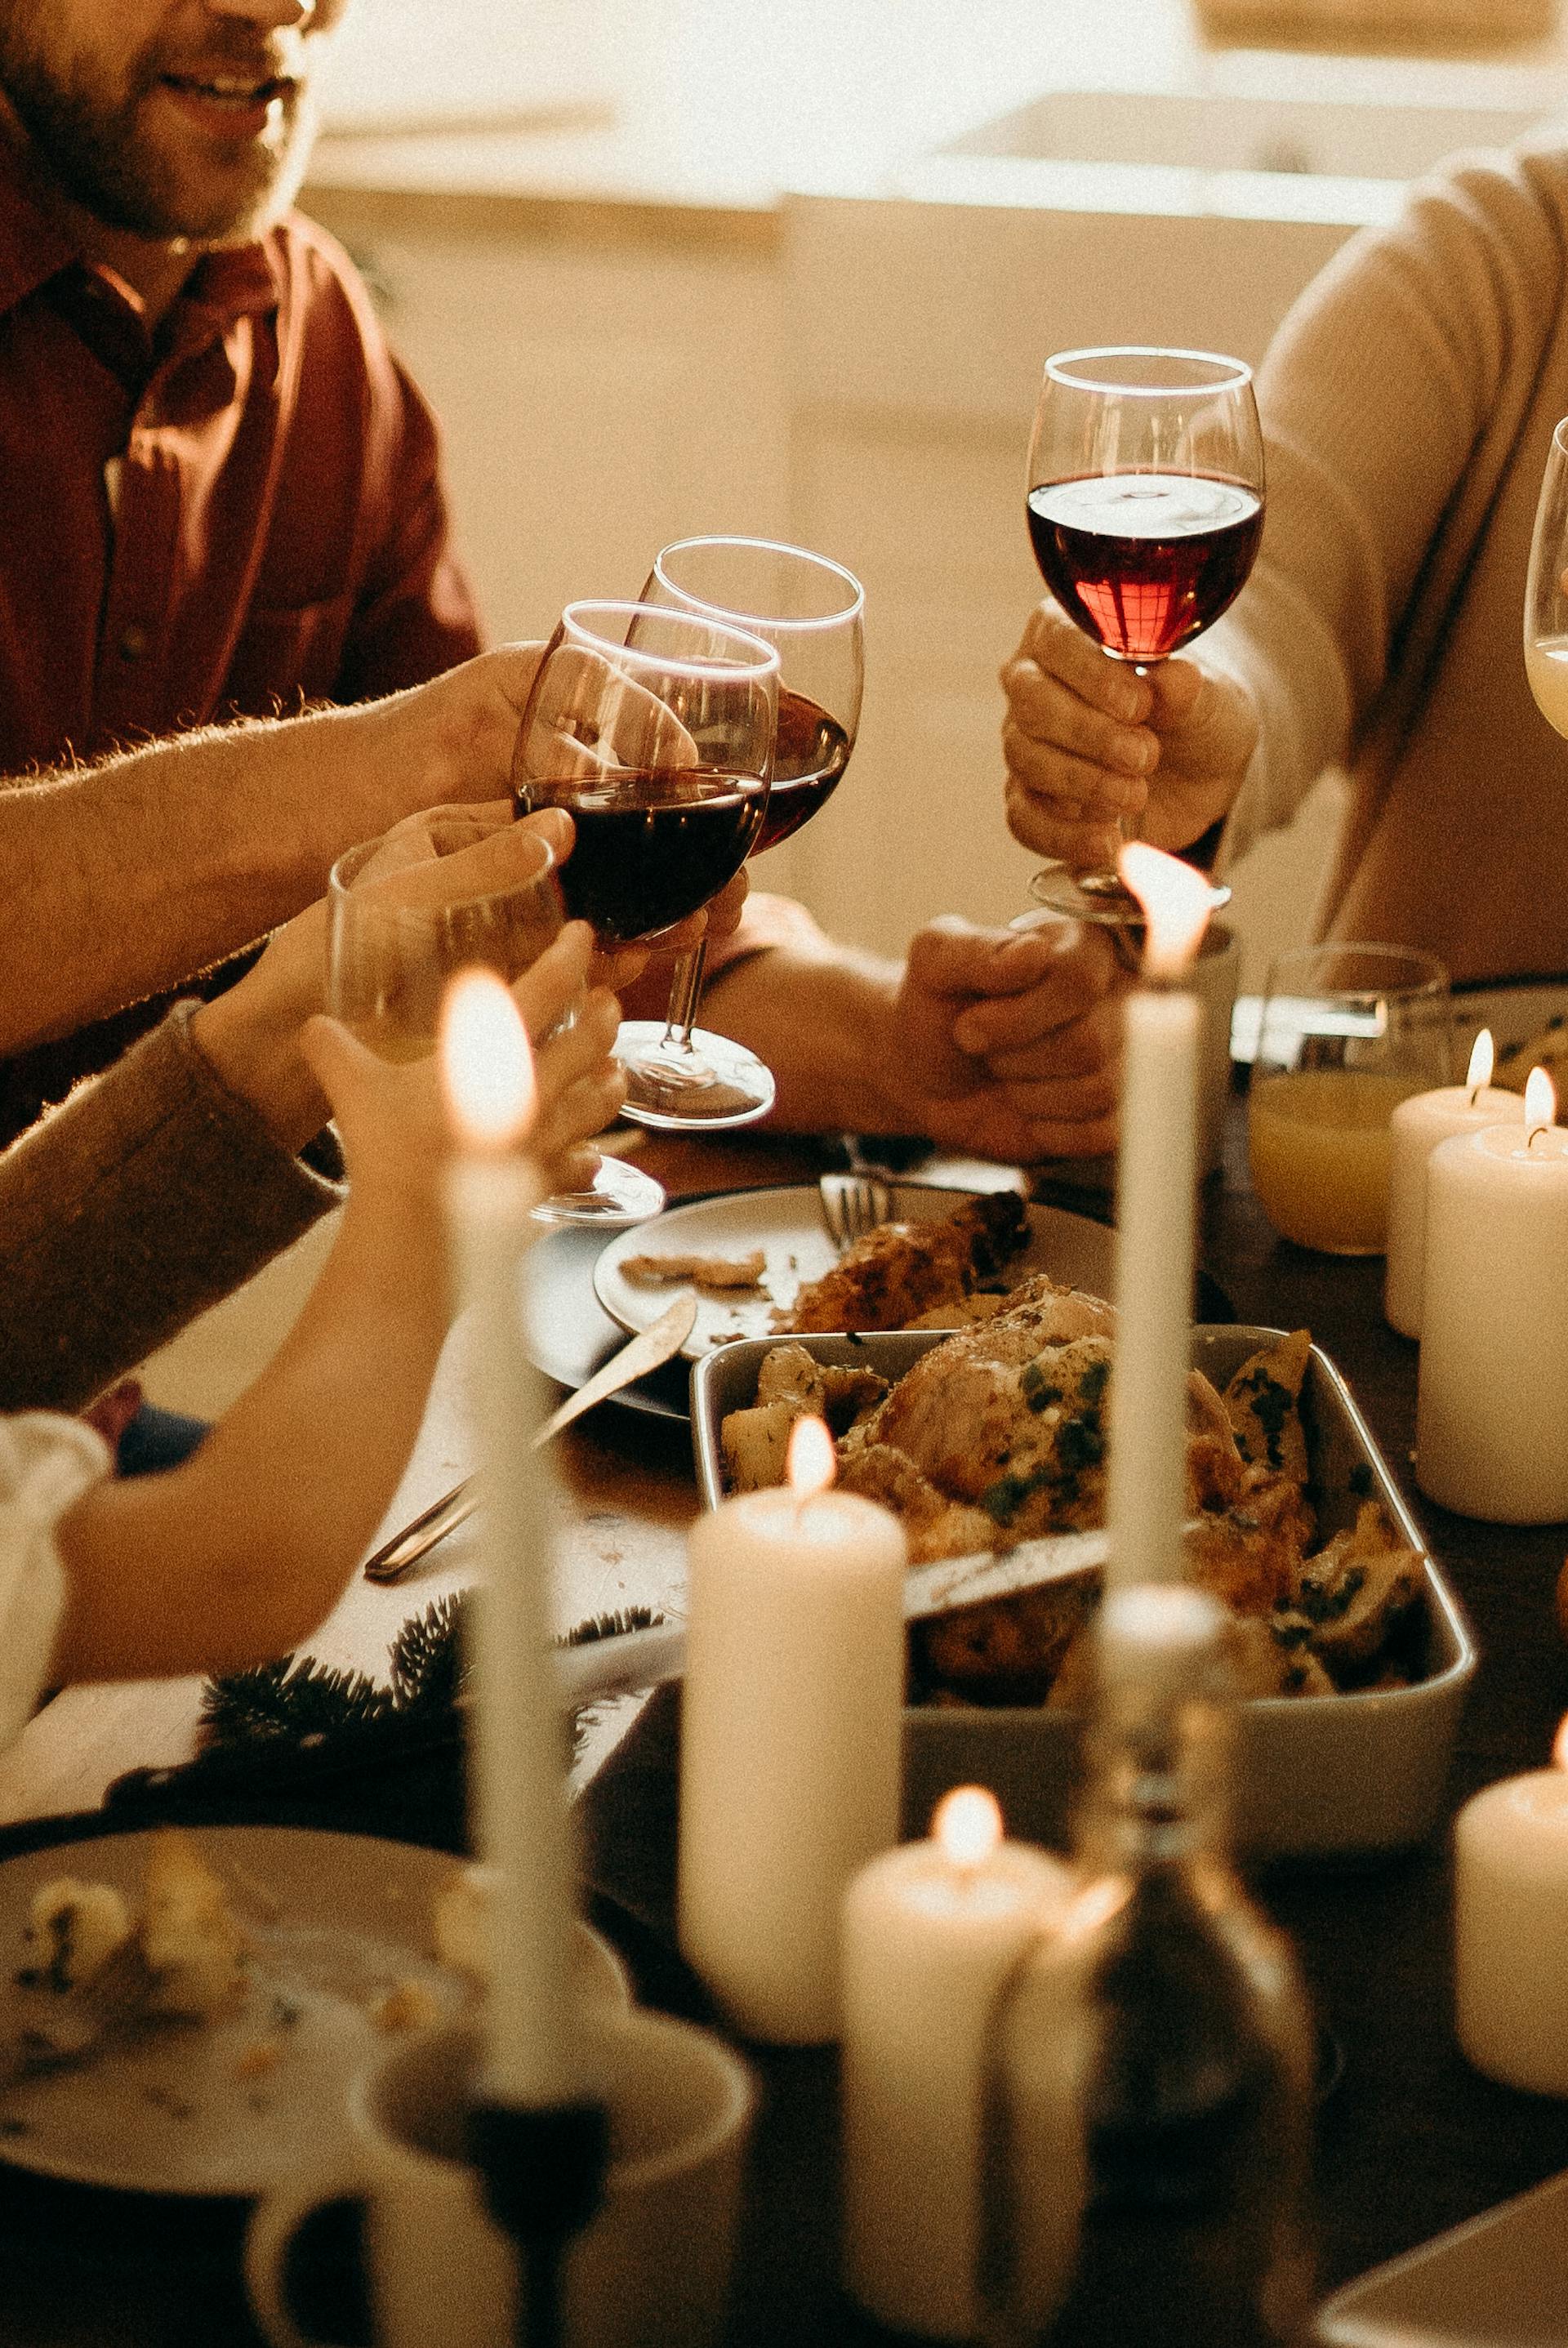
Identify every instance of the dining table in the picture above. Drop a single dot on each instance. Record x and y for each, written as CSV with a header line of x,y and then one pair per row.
x,y
1410,2140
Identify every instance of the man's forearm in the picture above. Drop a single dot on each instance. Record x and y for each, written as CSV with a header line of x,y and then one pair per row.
x,y
823,1021
127,878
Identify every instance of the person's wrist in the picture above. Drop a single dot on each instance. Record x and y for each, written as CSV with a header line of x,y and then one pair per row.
x,y
254,1054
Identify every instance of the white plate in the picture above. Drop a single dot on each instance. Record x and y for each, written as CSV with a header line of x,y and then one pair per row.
x,y
334,1921
1498,2281
787,1225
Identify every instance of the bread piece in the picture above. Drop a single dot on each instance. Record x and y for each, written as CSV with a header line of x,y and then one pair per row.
x,y
1356,1592
756,1443
195,1951
720,1272
73,1930
1263,1403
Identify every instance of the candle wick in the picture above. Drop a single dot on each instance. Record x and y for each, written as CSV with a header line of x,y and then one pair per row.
x,y
1533,1136
1474,1095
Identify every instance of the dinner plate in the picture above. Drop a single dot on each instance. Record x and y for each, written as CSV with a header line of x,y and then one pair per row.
x,y
236,2105
787,1225
1501,2281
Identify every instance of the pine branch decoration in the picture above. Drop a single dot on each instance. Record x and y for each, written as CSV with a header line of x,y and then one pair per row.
x,y
307,1702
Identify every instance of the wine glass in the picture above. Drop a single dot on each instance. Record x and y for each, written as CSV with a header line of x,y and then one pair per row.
x,y
1145,503
396,934
809,609
1546,590
661,751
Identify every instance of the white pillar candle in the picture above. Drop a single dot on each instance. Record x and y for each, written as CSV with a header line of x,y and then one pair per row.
x,y
1510,1929
1491,1410
930,1932
1147,1470
519,1789
1415,1127
791,1726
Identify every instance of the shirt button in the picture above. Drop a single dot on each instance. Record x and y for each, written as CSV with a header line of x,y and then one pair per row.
x,y
132,642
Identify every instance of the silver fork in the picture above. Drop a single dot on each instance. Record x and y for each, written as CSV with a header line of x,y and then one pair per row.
x,y
852,1205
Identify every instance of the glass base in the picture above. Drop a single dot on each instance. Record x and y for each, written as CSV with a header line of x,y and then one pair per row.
x,y
618,1196
702,1086
1102,897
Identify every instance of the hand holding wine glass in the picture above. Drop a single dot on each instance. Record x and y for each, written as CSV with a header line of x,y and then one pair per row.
x,y
1145,511
810,610
654,731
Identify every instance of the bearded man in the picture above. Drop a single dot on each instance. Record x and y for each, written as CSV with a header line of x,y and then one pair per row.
x,y
222,495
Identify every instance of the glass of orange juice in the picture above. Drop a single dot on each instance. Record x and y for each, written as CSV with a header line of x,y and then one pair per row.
x,y
1346,1033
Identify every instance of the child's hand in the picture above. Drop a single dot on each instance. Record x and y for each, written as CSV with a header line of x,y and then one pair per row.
x,y
390,1115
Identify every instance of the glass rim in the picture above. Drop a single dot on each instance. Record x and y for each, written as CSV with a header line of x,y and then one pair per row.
x,y
1559,436
1231,373
340,889
754,659
1432,981
849,610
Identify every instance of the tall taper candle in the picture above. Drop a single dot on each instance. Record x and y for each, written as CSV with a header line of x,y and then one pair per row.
x,y
518,1783
1155,1209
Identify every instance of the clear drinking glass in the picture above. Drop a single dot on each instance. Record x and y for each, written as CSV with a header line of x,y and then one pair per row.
x,y
810,610
1145,506
1546,590
1347,1032
395,935
655,730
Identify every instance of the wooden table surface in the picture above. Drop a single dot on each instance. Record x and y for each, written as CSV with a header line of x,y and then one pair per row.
x,y
1412,2142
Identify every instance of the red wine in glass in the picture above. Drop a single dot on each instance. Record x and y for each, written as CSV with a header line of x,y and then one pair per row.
x,y
653,844
810,753
1144,562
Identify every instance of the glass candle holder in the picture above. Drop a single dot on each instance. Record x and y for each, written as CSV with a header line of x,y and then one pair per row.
x,y
1346,1033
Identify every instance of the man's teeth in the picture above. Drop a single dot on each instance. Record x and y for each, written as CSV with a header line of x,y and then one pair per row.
x,y
246,93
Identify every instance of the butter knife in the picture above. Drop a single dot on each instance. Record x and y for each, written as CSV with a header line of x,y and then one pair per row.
x,y
662,1339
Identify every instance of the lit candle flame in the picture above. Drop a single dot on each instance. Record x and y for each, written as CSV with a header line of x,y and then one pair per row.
x,y
1480,1063
1177,901
966,1825
486,1065
813,1462
1560,1747
1540,1104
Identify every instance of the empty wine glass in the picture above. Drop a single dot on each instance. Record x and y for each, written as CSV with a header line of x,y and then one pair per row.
x,y
810,610
1546,590
1145,503
661,750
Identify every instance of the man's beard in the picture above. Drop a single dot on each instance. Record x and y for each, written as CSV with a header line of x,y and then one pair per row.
x,y
95,150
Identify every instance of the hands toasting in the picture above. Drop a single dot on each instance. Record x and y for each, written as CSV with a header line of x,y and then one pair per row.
x,y
1088,741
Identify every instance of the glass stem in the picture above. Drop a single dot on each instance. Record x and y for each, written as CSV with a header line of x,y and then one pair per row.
x,y
686,991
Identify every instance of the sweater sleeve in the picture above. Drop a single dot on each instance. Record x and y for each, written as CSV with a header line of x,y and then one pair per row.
x,y
145,1196
1375,396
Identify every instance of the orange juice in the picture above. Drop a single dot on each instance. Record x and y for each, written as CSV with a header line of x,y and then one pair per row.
x,y
1320,1149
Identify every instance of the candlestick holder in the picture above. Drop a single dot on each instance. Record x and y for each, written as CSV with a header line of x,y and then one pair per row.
x,y
542,2170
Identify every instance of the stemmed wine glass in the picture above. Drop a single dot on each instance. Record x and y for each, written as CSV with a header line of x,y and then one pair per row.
x,y
810,610
1546,590
1145,508
661,750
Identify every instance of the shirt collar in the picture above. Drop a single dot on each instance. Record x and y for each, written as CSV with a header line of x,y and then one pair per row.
x,y
233,283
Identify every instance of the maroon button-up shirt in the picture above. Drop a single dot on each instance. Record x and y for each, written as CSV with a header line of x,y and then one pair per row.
x,y
234,516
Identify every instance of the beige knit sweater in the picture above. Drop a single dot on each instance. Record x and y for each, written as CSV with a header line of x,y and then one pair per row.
x,y
1408,403
145,1196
